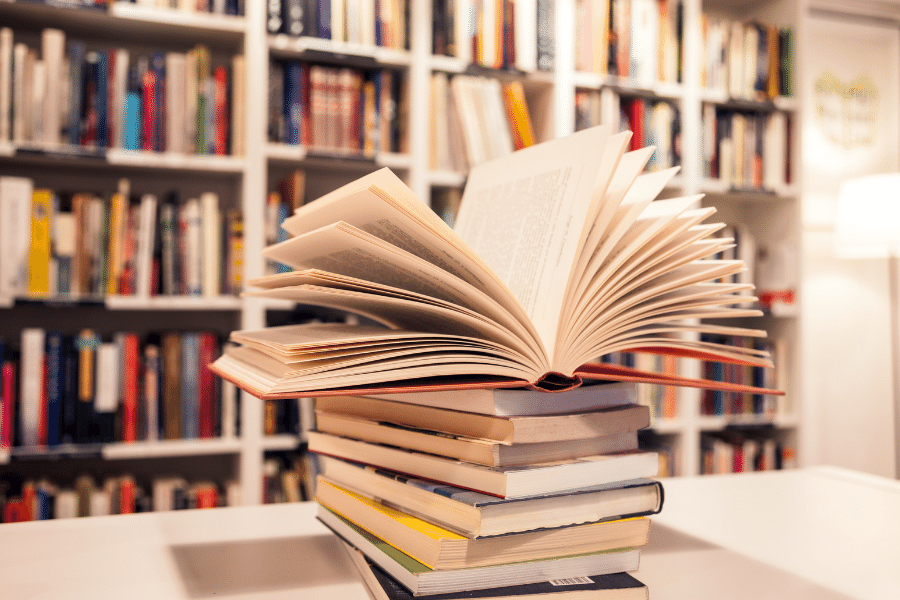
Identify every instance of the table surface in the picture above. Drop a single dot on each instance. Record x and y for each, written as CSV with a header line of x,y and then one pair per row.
x,y
820,533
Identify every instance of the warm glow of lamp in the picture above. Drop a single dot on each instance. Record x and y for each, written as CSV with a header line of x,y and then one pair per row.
x,y
868,217
868,226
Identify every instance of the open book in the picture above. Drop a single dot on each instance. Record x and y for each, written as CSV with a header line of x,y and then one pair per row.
x,y
559,255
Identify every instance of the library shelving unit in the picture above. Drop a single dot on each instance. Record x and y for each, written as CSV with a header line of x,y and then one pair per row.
x,y
246,180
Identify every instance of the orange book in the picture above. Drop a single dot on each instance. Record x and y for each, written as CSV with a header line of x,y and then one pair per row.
x,y
517,113
39,251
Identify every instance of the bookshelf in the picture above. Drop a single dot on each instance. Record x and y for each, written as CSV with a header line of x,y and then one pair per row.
x,y
246,179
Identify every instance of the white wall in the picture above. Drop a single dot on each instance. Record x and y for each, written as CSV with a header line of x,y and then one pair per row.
x,y
847,383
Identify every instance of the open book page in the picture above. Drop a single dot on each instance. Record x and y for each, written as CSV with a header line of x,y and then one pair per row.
x,y
525,214
383,206
651,240
345,250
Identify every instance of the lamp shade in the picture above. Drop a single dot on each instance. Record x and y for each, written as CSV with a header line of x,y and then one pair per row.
x,y
868,217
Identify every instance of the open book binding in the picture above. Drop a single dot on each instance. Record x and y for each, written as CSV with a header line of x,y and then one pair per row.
x,y
560,254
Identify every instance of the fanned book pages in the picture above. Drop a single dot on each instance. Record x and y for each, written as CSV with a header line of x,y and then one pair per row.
x,y
560,254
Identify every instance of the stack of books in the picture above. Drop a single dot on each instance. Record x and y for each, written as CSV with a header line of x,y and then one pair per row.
x,y
512,492
559,254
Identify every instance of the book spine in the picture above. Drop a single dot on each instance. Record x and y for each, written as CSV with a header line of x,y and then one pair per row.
x,y
171,357
7,394
39,254
130,386
206,386
32,385
190,362
86,344
54,385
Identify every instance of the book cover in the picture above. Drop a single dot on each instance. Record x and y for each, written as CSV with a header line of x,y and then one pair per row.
x,y
130,386
441,549
207,408
474,514
613,586
40,247
171,386
479,451
421,580
504,482
563,426
190,370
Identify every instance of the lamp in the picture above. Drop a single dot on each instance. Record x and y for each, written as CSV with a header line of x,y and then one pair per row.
x,y
868,226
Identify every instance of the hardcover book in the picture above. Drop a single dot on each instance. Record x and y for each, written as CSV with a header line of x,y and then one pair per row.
x,y
441,549
474,514
420,580
559,255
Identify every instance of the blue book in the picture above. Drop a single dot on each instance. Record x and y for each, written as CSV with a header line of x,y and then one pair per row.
x,y
76,92
69,407
293,103
55,378
158,65
190,373
323,11
131,126
102,98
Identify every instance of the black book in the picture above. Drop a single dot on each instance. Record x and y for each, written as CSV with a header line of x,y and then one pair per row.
x,y
614,586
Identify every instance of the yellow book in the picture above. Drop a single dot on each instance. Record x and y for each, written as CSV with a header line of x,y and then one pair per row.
x,y
39,249
440,549
117,219
517,113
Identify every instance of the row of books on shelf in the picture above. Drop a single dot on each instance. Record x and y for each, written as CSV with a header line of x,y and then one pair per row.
x,y
383,23
216,7
747,149
87,244
652,121
770,266
492,34
486,119
748,60
337,110
80,388
739,451
289,478
764,406
68,95
437,499
41,499
661,400
641,40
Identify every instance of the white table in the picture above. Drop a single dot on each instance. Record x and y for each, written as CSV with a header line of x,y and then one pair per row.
x,y
813,533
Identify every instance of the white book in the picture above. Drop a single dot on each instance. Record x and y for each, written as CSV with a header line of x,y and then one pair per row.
x,y
526,35
354,21
6,63
367,22
210,246
100,503
31,383
106,397
145,244
229,410
191,250
119,85
338,21
38,93
465,29
66,505
53,48
20,54
15,230
486,33
175,106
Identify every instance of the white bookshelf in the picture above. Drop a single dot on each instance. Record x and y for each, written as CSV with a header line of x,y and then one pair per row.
x,y
250,176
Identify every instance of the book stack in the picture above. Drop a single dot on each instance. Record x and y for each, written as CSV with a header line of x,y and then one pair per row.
x,y
518,490
559,255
